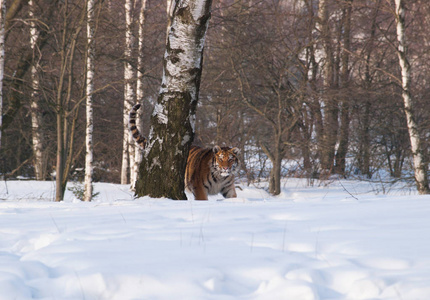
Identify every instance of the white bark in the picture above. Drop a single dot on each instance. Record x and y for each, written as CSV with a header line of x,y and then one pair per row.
x,y
190,55
36,115
89,169
420,168
172,123
169,12
140,61
169,8
2,48
131,154
323,27
139,90
129,93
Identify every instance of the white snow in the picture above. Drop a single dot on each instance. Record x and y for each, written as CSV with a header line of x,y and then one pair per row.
x,y
334,242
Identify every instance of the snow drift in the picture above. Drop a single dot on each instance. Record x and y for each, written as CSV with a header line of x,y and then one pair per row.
x,y
333,242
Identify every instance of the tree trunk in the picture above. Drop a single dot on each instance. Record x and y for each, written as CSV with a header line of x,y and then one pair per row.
x,y
65,134
2,49
345,108
327,147
169,11
89,107
162,171
24,62
275,174
364,148
306,128
139,90
275,158
61,135
420,166
364,144
129,93
36,114
60,165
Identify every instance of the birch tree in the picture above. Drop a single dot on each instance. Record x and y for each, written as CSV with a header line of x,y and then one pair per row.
x,y
329,134
169,17
2,48
36,114
139,88
343,142
23,65
420,167
129,93
89,107
364,136
162,171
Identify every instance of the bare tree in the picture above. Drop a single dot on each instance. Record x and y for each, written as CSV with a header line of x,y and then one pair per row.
x,y
269,78
36,112
129,93
331,109
420,167
23,64
139,87
89,169
343,141
364,121
355,105
162,171
63,98
2,57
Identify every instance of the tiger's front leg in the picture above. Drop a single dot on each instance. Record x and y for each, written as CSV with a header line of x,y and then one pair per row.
x,y
200,193
229,192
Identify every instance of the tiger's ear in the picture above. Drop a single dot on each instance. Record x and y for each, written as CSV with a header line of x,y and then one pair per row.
x,y
235,150
216,149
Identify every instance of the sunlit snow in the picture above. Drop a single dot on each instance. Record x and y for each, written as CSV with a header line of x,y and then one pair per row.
x,y
339,241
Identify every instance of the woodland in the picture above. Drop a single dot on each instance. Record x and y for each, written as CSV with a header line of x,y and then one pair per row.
x,y
305,88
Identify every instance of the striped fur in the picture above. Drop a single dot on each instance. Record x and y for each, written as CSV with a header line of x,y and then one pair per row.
x,y
209,171
140,140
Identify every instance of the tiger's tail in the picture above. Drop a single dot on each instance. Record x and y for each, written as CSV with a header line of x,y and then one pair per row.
x,y
140,139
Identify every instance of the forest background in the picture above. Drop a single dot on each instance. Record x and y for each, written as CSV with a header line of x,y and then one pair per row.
x,y
304,88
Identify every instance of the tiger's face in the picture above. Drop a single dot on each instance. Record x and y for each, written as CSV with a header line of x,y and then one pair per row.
x,y
226,160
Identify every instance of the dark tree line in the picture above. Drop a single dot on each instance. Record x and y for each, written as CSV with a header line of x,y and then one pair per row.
x,y
304,87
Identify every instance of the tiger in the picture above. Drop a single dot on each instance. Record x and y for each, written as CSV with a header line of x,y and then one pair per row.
x,y
209,171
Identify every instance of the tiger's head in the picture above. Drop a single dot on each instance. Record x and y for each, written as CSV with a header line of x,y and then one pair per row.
x,y
226,160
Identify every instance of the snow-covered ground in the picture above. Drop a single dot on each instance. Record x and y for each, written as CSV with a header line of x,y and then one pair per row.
x,y
340,241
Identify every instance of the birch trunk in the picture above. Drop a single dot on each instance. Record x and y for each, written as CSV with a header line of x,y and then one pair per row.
x,y
89,107
420,167
342,149
169,11
2,50
330,124
139,90
364,152
162,171
129,93
36,115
